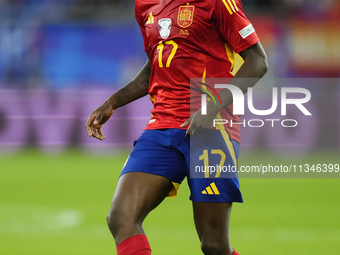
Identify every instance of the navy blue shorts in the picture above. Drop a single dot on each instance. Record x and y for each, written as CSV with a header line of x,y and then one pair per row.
x,y
209,162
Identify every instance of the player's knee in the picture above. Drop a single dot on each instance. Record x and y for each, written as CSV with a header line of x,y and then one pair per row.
x,y
215,248
118,220
115,221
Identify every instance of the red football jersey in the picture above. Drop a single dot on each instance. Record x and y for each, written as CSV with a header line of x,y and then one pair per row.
x,y
190,39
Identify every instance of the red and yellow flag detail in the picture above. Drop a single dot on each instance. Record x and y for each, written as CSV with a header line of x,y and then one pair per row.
x,y
185,15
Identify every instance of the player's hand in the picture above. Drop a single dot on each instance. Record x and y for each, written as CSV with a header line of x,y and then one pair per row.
x,y
96,120
199,124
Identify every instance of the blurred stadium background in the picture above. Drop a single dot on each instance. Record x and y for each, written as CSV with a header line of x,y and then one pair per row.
x,y
60,59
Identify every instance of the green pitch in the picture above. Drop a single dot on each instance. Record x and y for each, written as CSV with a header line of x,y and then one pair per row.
x,y
56,204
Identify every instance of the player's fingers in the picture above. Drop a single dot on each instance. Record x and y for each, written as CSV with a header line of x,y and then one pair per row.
x,y
95,134
93,131
88,124
88,130
101,135
186,123
187,134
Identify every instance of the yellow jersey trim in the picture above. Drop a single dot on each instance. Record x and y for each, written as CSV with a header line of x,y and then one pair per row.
x,y
226,139
230,53
174,191
231,6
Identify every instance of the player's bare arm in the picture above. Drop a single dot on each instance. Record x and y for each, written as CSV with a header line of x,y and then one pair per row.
x,y
136,88
253,69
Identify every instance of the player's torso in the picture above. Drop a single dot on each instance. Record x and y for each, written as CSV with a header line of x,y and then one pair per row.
x,y
184,42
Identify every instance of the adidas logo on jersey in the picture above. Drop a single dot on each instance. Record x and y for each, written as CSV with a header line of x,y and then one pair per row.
x,y
150,19
211,190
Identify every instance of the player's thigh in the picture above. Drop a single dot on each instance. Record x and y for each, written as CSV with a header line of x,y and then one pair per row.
x,y
212,220
138,193
153,170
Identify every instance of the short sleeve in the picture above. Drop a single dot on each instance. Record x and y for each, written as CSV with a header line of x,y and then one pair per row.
x,y
140,22
234,25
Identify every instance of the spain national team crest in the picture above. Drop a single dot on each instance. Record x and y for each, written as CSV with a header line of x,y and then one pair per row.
x,y
185,15
164,27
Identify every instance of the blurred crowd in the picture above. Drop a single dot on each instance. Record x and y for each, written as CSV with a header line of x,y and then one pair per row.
x,y
92,8
21,31
22,23
303,6
106,10
111,10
